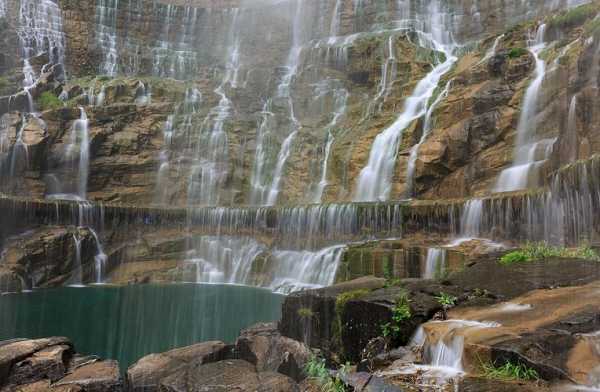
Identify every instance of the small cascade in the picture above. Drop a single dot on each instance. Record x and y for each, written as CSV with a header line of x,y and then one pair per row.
x,y
100,258
297,270
389,70
77,151
471,219
106,35
179,124
93,98
143,94
435,263
77,275
340,96
3,9
224,259
40,32
441,344
427,128
19,156
492,51
375,179
529,153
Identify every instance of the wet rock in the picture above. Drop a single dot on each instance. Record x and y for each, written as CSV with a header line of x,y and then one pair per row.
x,y
102,376
265,347
14,352
225,376
309,316
146,374
475,384
491,96
48,363
47,257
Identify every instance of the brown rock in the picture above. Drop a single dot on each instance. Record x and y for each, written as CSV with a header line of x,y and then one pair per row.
x,y
265,347
102,376
226,376
146,374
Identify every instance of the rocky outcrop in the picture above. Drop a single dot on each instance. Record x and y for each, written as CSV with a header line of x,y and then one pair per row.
x,y
228,375
147,374
265,347
52,364
48,257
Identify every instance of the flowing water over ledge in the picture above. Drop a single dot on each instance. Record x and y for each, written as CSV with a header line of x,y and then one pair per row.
x,y
132,321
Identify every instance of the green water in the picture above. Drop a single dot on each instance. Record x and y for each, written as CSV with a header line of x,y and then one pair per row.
x,y
126,323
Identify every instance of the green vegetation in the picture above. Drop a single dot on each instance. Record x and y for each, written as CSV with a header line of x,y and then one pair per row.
x,y
306,313
446,300
514,53
4,83
592,27
541,250
340,302
48,101
574,17
400,313
315,368
390,280
509,371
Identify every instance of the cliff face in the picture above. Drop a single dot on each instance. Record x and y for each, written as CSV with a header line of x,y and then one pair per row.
x,y
308,87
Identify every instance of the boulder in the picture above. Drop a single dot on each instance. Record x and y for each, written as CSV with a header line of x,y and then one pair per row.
x,y
265,347
14,353
310,316
146,374
226,376
101,376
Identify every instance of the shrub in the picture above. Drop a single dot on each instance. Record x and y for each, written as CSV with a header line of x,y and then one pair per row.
x,y
509,371
400,313
514,53
446,300
315,368
49,101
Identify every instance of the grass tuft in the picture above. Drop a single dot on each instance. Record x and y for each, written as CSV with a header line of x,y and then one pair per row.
x,y
540,250
508,372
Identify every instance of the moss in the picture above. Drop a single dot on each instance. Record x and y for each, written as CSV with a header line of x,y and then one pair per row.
x,y
574,17
514,53
340,303
305,313
48,101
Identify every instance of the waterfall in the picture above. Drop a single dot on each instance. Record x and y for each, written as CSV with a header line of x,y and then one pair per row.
x,y
106,35
435,263
265,187
100,258
375,179
77,150
523,172
296,270
41,31
471,219
209,170
77,274
389,70
427,128
492,51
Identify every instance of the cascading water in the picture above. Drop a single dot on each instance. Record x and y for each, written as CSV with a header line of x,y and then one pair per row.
x,y
265,185
77,274
340,96
210,168
435,263
375,179
106,35
524,171
414,151
100,258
